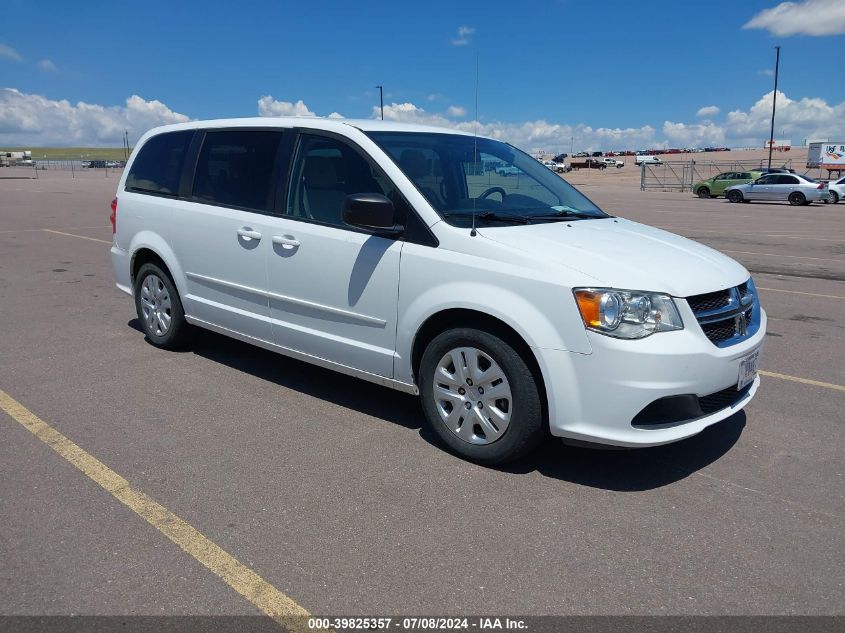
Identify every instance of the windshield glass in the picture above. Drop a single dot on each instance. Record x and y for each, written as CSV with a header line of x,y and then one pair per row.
x,y
497,181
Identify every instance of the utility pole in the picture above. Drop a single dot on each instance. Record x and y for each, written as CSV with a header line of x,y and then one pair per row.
x,y
571,145
774,104
381,100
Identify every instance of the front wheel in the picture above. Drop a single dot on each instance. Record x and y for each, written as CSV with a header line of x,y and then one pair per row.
x,y
703,192
796,198
735,196
834,197
480,397
159,308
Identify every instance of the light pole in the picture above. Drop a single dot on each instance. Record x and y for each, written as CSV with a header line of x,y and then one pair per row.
x,y
571,145
381,100
774,104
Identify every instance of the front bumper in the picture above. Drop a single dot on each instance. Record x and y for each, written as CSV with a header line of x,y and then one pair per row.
x,y
595,397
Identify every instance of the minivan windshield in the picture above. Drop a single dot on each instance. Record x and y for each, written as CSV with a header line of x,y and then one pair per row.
x,y
462,175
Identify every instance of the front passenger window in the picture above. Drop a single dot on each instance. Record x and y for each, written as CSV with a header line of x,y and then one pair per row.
x,y
324,172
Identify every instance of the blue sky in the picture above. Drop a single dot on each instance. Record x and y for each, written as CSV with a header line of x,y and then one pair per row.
x,y
574,65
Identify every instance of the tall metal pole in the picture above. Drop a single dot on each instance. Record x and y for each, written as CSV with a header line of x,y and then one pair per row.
x,y
381,100
774,104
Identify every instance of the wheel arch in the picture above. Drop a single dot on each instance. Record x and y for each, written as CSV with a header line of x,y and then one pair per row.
x,y
450,318
149,247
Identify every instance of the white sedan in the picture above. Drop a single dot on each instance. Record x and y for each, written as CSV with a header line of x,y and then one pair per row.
x,y
837,190
796,189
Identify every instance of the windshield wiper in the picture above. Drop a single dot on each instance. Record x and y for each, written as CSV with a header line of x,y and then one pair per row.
x,y
490,216
563,214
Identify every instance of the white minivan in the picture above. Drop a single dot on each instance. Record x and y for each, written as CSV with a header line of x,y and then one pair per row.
x,y
512,305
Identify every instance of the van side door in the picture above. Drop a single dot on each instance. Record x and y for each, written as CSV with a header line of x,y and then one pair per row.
x,y
221,234
333,288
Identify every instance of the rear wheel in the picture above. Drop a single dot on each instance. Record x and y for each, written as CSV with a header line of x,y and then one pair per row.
x,y
480,396
797,198
703,192
159,308
834,197
735,196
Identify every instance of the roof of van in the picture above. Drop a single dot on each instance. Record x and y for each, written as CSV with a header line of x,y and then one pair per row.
x,y
319,123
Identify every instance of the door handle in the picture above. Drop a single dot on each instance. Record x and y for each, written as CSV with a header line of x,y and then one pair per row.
x,y
249,234
286,241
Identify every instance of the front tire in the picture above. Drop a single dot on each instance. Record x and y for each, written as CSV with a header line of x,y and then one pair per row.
x,y
703,192
480,397
735,196
159,308
834,197
796,198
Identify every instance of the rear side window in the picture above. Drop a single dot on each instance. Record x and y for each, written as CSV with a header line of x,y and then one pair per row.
x,y
158,166
235,168
787,180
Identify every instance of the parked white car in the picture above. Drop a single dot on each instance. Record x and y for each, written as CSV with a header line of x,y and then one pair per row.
x,y
647,160
792,188
382,251
836,190
612,162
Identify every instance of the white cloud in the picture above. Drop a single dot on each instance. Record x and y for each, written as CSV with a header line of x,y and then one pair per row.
x,y
456,111
47,65
7,52
766,72
693,134
527,134
336,115
268,106
434,96
710,110
808,17
464,35
33,120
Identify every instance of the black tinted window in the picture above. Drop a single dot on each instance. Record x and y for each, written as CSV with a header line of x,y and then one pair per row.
x,y
766,180
325,171
158,166
235,168
787,180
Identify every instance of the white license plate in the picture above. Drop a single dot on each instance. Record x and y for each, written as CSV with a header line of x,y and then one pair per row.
x,y
747,369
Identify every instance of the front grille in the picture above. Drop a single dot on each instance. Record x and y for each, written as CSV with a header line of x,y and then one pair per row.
x,y
710,301
684,408
727,316
722,399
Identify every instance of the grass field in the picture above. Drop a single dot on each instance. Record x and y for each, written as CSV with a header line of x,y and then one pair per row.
x,y
71,153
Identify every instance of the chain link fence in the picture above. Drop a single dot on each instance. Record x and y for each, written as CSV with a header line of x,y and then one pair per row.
x,y
682,175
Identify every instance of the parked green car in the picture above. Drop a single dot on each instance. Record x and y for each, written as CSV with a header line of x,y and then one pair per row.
x,y
716,186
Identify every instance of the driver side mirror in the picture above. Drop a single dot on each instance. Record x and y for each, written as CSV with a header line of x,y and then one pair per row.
x,y
372,212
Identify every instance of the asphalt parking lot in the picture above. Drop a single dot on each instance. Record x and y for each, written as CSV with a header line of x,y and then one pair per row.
x,y
330,491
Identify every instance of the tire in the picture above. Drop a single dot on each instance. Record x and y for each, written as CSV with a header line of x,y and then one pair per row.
x,y
834,197
703,192
796,198
469,360
157,299
735,196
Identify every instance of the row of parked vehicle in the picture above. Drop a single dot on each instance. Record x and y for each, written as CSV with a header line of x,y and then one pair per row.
x,y
770,184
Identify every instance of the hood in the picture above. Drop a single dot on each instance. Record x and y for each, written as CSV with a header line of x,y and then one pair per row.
x,y
618,253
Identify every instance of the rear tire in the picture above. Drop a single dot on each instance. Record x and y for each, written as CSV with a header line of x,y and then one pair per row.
x,y
703,192
480,397
160,309
735,196
834,197
796,198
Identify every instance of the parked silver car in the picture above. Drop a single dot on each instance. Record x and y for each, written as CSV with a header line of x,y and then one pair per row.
x,y
791,187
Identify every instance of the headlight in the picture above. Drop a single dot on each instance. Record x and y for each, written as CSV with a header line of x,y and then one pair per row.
x,y
627,313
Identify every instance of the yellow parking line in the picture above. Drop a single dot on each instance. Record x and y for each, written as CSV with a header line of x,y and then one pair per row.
x,y
82,237
798,292
234,573
805,381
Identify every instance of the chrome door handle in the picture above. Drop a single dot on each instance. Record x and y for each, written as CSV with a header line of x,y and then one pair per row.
x,y
287,241
249,234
